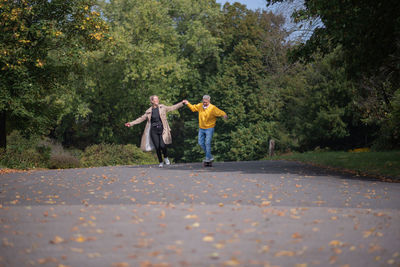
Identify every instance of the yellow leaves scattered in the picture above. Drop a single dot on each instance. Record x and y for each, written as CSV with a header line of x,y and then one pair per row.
x,y
296,236
284,253
79,239
47,260
335,243
219,245
191,216
264,249
369,232
56,240
77,250
196,225
208,238
232,262
265,203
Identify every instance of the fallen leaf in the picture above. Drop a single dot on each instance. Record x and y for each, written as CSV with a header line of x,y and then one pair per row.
x,y
335,243
232,262
191,216
208,238
57,240
284,253
79,239
296,235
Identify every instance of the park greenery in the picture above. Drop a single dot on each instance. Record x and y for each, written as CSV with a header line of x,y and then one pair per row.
x,y
363,163
73,72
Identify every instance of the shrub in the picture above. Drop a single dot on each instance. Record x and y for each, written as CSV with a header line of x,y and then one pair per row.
x,y
60,158
111,154
24,152
63,161
252,143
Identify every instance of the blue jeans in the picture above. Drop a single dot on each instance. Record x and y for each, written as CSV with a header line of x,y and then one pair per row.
x,y
205,137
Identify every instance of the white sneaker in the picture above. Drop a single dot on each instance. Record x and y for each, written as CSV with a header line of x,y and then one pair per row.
x,y
161,165
167,162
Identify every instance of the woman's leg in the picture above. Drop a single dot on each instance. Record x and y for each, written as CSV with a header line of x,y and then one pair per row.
x,y
155,138
163,146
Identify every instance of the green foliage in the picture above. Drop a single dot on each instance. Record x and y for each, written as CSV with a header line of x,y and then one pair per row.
x,y
368,34
389,137
318,104
111,154
78,80
255,145
386,163
63,161
40,43
24,153
249,55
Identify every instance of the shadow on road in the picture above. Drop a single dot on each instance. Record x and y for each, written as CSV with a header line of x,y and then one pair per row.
x,y
265,167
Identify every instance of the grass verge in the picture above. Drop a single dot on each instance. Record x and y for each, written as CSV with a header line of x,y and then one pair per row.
x,y
386,164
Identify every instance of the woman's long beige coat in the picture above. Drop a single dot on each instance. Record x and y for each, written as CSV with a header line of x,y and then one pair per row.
x,y
146,144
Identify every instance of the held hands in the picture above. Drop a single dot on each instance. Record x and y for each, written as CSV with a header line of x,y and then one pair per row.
x,y
185,102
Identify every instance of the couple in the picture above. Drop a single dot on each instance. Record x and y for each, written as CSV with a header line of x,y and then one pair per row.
x,y
157,133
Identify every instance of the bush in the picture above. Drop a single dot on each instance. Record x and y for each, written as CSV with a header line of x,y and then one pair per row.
x,y
110,155
24,152
252,143
34,152
60,158
63,161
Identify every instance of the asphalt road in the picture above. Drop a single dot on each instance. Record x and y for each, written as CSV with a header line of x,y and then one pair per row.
x,y
266,213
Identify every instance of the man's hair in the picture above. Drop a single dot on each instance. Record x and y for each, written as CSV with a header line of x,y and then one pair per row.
x,y
207,97
152,97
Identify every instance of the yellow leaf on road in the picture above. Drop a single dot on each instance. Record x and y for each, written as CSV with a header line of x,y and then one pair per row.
x,y
284,253
335,243
57,240
208,238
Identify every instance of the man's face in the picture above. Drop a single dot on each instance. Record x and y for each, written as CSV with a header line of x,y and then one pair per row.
x,y
206,102
155,100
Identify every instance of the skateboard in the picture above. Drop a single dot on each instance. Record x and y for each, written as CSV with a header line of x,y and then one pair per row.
x,y
207,163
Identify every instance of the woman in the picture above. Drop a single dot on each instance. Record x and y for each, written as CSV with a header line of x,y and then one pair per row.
x,y
157,133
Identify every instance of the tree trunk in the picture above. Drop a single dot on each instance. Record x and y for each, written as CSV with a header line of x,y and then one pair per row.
x,y
3,134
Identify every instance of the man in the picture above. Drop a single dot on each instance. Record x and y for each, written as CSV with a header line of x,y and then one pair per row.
x,y
208,114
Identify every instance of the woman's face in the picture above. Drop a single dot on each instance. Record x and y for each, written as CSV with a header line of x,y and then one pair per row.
x,y
155,101
206,102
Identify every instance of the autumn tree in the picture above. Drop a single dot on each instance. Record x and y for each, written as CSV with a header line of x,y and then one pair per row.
x,y
40,46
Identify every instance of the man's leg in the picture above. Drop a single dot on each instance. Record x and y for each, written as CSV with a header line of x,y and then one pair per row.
x,y
202,139
209,135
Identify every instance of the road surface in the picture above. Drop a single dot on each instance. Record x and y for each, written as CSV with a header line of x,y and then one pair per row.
x,y
265,213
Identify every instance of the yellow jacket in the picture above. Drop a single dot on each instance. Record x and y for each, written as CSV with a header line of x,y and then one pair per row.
x,y
208,116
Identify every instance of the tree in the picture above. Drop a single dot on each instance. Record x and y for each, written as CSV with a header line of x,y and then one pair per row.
x,y
252,48
40,45
368,33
